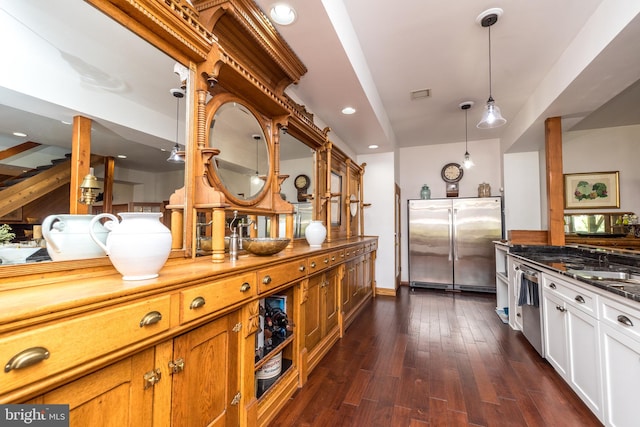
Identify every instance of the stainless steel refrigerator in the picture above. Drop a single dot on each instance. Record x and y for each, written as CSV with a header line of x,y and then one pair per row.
x,y
450,243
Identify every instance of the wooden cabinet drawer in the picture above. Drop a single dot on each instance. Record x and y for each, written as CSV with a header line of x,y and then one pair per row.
x,y
621,317
208,298
32,355
350,252
271,278
575,295
337,257
319,262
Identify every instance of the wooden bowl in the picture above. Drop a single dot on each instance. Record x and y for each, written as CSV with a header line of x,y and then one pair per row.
x,y
263,246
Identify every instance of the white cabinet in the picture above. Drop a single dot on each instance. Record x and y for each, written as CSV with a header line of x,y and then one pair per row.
x,y
620,337
571,333
502,281
555,332
515,311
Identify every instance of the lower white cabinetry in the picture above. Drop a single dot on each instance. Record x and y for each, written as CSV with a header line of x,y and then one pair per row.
x,y
571,334
620,327
555,333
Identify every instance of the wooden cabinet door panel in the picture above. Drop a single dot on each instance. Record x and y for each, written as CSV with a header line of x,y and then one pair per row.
x,y
312,324
331,308
203,392
111,397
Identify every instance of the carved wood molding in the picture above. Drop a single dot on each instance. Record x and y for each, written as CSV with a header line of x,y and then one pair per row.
x,y
171,25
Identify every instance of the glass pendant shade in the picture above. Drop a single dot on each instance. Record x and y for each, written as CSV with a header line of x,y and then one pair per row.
x,y
176,155
491,117
467,163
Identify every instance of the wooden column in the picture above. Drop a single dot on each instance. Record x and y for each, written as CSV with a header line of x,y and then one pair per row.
x,y
555,181
107,200
80,162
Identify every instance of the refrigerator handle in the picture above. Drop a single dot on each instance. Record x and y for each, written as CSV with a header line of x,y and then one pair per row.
x,y
454,241
450,235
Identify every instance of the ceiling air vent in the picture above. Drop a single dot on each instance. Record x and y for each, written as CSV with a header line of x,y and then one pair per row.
x,y
421,93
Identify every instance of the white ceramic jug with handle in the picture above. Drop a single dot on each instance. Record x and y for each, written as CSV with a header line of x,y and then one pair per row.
x,y
138,246
68,237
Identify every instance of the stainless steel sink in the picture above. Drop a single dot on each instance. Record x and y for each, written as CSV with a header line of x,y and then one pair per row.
x,y
601,274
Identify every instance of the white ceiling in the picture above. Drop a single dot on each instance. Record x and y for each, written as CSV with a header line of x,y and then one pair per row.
x,y
549,58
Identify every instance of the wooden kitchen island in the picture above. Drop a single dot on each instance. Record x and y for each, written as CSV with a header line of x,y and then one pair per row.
x,y
179,349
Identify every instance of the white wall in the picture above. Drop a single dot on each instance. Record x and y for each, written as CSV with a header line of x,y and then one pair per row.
x,y
422,165
603,150
522,191
379,190
295,168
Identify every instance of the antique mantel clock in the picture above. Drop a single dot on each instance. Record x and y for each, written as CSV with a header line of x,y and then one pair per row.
x,y
452,174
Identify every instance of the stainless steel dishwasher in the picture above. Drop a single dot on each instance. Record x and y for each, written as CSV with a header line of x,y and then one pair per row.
x,y
530,299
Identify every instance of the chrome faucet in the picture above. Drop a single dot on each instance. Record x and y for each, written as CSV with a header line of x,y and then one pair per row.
x,y
199,226
241,226
234,240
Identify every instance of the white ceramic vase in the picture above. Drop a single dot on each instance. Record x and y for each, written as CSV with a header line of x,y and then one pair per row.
x,y
68,237
315,233
138,246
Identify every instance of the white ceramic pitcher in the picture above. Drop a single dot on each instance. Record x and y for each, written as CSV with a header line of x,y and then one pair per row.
x,y
68,238
138,246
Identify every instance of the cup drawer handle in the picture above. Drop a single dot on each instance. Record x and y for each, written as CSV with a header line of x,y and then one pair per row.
x,y
197,303
625,320
266,280
150,318
27,358
245,287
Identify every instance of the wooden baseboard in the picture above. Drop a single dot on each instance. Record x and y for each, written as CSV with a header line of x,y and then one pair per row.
x,y
386,292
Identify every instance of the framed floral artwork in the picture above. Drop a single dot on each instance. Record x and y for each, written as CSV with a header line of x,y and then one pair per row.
x,y
591,190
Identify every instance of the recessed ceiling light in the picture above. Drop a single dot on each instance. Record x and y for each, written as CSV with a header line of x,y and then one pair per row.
x,y
348,110
64,122
373,146
122,156
20,134
282,14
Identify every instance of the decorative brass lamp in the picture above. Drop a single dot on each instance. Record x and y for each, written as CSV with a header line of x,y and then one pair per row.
x,y
89,189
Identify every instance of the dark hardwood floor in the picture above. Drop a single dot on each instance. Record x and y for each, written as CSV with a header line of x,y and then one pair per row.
x,y
433,358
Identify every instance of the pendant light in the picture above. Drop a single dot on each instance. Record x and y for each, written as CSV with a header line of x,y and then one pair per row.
x,y
491,117
255,179
176,156
468,163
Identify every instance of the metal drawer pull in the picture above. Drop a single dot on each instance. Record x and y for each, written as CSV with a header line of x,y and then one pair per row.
x,y
266,280
197,303
621,318
313,264
245,287
561,309
150,318
326,260
27,358
303,268
579,299
552,285
333,258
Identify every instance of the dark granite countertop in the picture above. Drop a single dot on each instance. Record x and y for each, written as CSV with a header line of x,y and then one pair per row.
x,y
606,269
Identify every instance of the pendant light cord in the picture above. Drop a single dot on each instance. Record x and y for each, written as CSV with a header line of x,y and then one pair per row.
x,y
177,117
466,135
490,92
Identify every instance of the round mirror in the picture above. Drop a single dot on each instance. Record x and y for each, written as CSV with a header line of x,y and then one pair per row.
x,y
242,166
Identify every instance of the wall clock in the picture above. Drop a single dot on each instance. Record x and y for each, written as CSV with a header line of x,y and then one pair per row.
x,y
302,182
452,174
